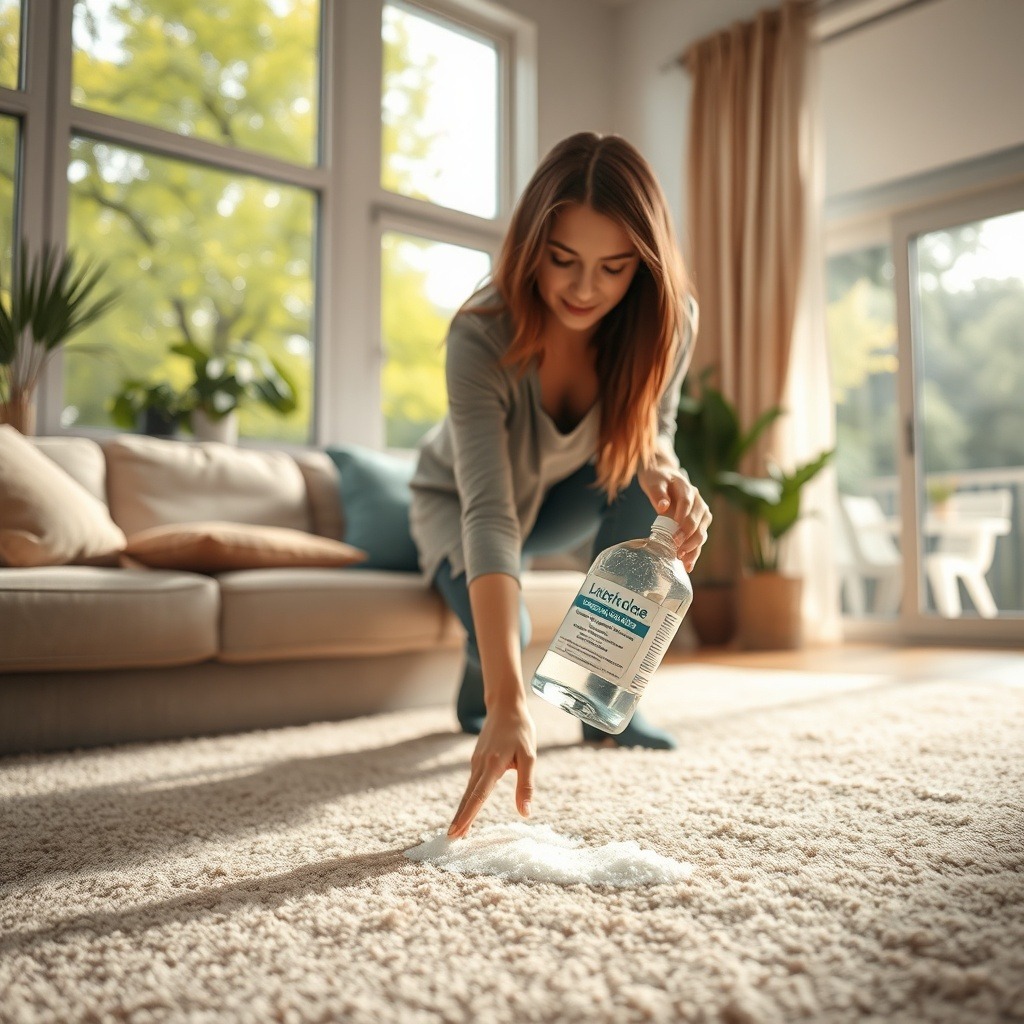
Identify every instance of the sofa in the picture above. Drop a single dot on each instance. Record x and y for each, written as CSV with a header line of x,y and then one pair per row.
x,y
104,639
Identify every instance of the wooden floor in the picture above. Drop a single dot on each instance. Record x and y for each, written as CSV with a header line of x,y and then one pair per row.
x,y
987,663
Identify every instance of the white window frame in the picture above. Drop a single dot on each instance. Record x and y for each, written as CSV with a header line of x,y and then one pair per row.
x,y
353,208
516,42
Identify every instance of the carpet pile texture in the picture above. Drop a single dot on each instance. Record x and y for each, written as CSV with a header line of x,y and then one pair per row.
x,y
857,842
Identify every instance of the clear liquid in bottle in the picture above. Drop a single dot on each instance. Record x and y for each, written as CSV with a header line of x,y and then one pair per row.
x,y
617,631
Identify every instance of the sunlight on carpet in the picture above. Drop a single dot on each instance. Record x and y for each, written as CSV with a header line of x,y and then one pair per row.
x,y
855,843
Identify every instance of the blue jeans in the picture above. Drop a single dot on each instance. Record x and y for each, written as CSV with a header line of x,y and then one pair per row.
x,y
571,511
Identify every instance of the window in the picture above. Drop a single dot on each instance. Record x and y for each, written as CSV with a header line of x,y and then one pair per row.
x,y
242,74
925,302
10,43
862,342
863,355
446,171
439,112
202,246
224,160
211,256
10,78
423,283
8,170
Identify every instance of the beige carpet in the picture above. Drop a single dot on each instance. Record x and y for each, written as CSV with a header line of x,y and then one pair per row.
x,y
858,843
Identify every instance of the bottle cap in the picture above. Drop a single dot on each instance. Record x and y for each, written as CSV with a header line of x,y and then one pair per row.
x,y
666,523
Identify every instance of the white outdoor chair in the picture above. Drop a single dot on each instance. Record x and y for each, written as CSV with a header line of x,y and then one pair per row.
x,y
868,551
965,550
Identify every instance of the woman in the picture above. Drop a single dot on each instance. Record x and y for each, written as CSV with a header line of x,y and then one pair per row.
x,y
563,382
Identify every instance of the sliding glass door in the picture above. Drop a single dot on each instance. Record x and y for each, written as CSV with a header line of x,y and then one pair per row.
x,y
960,310
926,328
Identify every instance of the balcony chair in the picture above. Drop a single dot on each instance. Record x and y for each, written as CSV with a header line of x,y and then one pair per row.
x,y
966,550
868,551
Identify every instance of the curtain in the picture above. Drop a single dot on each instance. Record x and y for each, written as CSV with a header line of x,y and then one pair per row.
x,y
757,260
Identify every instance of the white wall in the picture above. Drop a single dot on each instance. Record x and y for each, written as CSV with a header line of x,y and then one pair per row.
x,y
575,47
652,94
933,85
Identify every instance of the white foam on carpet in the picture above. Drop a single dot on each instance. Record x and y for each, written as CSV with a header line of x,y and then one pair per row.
x,y
521,852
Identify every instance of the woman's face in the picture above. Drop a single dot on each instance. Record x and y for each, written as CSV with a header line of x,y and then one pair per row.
x,y
586,268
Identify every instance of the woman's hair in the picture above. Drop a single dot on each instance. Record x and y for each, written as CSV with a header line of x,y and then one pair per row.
x,y
636,341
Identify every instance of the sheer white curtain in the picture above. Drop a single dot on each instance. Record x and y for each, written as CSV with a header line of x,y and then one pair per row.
x,y
810,426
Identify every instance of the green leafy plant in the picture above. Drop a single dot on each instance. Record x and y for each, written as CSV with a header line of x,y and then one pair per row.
x,y
228,377
771,506
53,296
157,404
710,444
939,491
709,439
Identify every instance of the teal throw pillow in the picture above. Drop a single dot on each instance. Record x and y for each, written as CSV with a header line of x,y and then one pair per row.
x,y
375,496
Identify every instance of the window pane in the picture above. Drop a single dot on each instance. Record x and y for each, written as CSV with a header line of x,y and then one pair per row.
x,y
439,113
10,43
863,349
8,170
243,73
969,291
197,253
423,283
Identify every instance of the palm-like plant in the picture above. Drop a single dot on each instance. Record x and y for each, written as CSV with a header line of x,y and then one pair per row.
x,y
52,298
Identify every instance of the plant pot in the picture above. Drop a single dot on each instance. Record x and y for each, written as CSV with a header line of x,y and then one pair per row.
x,y
768,612
206,428
19,411
156,423
713,613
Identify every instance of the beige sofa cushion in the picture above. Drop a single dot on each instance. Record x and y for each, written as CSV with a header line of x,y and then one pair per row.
x,y
75,617
47,518
216,547
81,458
323,486
319,613
316,613
154,482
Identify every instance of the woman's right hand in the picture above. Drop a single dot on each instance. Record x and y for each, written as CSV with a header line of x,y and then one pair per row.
x,y
508,740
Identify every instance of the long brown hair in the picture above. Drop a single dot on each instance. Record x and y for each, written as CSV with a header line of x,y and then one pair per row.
x,y
637,341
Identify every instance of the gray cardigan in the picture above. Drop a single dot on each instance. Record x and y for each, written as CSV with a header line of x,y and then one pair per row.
x,y
483,472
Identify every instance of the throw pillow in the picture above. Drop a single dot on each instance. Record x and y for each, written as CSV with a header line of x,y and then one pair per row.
x,y
46,517
220,546
375,499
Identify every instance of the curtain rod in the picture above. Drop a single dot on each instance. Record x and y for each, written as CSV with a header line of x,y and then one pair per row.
x,y
822,5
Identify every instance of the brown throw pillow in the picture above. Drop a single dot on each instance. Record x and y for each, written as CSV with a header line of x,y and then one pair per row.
x,y
220,546
46,517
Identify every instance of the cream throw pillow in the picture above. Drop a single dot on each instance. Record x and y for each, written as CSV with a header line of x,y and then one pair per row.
x,y
155,482
220,546
46,517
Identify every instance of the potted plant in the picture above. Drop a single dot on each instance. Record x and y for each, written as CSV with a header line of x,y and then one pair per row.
x,y
709,442
151,408
225,378
939,490
769,603
52,297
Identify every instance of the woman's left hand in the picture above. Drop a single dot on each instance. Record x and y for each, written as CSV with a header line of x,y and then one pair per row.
x,y
672,494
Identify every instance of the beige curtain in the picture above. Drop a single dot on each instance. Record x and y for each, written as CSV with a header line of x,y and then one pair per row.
x,y
746,209
756,256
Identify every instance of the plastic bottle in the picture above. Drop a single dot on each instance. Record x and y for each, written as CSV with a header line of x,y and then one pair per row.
x,y
617,631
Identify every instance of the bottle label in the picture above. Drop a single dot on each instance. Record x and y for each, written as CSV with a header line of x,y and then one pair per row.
x,y
615,633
